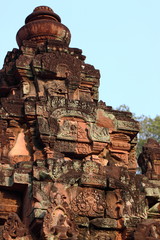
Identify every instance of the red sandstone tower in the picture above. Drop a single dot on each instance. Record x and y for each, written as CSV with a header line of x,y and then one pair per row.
x,y
67,161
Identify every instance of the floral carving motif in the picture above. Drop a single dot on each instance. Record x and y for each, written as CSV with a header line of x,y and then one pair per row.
x,y
71,129
89,202
14,228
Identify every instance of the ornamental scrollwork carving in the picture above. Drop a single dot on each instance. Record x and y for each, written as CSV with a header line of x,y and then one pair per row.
x,y
58,222
89,202
14,228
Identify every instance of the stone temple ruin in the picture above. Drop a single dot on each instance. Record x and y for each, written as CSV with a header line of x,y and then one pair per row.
x,y
68,161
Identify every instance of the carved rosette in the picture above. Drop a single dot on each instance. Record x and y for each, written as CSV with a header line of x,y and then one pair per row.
x,y
89,202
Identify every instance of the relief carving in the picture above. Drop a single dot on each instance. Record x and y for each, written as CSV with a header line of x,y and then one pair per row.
x,y
93,174
83,148
58,222
127,125
149,159
74,129
115,204
58,62
63,71
14,228
57,225
148,229
43,126
89,202
68,130
65,146
77,154
61,112
29,108
132,163
56,87
120,159
120,142
119,149
99,134
104,235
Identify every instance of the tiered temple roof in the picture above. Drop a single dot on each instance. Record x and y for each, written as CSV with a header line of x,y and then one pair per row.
x,y
67,160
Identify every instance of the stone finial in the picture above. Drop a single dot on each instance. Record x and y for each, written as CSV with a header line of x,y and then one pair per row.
x,y
41,25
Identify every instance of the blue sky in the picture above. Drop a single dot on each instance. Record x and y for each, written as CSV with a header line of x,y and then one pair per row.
x,y
121,38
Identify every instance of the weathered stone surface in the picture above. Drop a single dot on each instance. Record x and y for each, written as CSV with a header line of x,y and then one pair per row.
x,y
107,235
39,28
106,223
148,229
68,162
93,175
149,159
58,221
89,202
82,221
14,228
115,204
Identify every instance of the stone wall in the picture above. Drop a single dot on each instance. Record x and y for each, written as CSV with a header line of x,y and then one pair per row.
x,y
67,161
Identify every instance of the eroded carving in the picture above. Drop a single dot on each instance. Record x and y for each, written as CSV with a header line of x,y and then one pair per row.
x,y
89,202
70,158
149,158
14,228
73,129
58,221
148,229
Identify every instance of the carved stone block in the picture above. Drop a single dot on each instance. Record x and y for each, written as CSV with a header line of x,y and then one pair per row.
x,y
89,202
14,228
93,175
